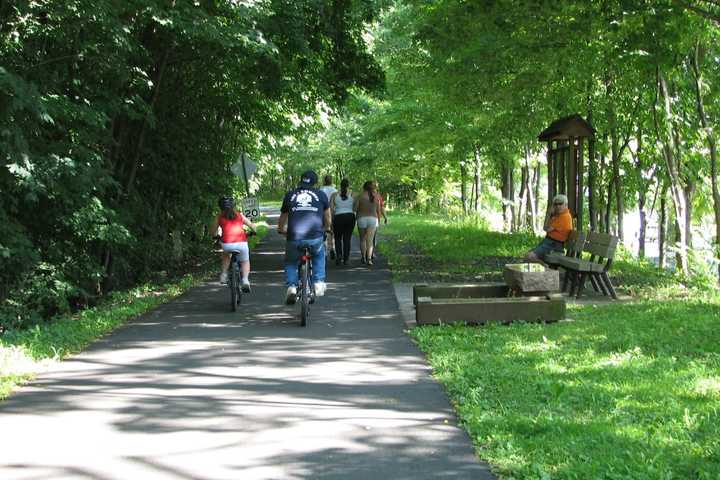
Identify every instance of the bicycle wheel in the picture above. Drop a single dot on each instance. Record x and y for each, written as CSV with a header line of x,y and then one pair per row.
x,y
238,285
233,288
305,293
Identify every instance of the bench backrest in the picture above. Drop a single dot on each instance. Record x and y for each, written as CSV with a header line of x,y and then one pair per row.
x,y
575,243
601,245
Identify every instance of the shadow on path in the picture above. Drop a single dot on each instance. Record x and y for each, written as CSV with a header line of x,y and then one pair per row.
x,y
192,390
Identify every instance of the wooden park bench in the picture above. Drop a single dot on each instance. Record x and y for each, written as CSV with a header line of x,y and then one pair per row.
x,y
599,250
573,248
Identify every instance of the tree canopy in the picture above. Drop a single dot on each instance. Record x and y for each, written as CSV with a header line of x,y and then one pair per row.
x,y
119,121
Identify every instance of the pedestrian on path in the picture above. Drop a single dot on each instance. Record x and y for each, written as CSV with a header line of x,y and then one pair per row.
x,y
381,201
367,210
328,189
304,217
341,205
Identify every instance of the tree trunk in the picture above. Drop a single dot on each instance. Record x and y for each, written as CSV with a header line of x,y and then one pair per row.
x,y
602,224
670,149
712,146
689,192
592,169
619,206
463,188
477,178
608,206
157,80
643,226
536,198
507,194
662,228
524,192
642,191
614,185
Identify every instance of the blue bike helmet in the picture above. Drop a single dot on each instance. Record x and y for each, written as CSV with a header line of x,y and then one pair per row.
x,y
226,202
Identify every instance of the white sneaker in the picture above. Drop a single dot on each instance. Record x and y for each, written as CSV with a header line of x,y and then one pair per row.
x,y
223,277
320,288
246,285
290,295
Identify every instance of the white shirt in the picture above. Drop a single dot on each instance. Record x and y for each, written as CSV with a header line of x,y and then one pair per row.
x,y
328,190
343,206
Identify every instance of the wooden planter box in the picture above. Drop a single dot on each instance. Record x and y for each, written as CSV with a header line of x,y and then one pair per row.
x,y
442,290
434,311
481,304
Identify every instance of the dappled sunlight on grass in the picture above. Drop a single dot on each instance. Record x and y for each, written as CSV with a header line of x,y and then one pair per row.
x,y
626,391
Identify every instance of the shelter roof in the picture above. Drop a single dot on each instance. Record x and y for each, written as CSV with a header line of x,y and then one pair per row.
x,y
566,127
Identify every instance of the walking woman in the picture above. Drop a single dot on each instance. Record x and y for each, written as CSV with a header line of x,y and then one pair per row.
x,y
367,208
341,204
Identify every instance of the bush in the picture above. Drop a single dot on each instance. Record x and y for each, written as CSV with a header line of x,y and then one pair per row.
x,y
703,273
41,293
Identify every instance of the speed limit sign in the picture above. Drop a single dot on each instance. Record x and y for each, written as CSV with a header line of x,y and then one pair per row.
x,y
250,207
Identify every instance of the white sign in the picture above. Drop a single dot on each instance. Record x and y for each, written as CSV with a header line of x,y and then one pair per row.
x,y
250,167
250,207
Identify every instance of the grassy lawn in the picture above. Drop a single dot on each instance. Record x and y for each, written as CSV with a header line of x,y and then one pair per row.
x,y
420,247
623,390
24,353
438,247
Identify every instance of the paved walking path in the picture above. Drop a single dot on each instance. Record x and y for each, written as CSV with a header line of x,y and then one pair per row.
x,y
193,391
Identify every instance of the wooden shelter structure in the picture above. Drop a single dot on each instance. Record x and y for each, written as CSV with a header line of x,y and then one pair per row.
x,y
566,138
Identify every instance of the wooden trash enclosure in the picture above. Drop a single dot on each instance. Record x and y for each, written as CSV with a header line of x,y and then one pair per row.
x,y
566,138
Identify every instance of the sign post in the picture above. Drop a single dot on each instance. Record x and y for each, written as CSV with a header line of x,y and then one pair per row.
x,y
244,168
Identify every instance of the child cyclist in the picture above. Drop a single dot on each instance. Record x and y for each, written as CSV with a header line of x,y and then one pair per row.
x,y
233,239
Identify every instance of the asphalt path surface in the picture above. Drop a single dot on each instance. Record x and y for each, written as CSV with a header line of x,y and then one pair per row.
x,y
193,391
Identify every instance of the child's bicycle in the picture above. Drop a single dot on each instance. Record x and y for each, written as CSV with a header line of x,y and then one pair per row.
x,y
234,279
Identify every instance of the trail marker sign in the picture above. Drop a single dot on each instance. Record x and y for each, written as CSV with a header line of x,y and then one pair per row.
x,y
250,207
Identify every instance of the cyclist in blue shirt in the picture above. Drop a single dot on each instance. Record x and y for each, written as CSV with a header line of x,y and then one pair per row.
x,y
305,217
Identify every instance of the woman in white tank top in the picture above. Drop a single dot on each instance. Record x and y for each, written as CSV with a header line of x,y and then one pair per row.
x,y
329,191
341,205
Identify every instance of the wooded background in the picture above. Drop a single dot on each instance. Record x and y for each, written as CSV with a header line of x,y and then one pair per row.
x,y
119,121
470,85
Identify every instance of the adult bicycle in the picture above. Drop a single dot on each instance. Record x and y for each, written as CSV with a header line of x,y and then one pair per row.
x,y
306,287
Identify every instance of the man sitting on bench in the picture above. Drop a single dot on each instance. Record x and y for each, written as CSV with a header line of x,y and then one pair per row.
x,y
557,227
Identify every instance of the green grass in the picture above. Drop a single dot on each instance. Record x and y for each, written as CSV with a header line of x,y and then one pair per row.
x,y
434,247
620,391
23,353
623,391
274,203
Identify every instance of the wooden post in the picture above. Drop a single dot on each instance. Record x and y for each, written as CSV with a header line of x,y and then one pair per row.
x,y
551,172
571,173
561,169
580,179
